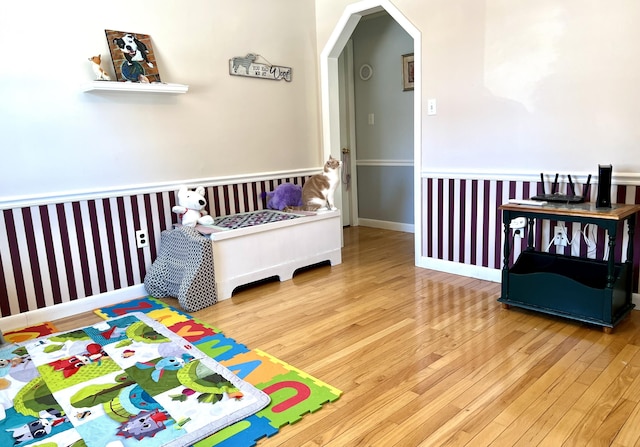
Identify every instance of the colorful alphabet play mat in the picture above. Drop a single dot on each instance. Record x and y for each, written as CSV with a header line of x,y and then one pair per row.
x,y
293,392
148,376
126,381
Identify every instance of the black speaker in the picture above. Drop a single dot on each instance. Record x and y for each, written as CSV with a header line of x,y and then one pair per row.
x,y
604,186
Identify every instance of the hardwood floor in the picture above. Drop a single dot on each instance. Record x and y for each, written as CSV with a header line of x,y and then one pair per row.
x,y
431,359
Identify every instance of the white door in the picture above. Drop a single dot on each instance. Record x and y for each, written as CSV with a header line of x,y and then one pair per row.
x,y
347,136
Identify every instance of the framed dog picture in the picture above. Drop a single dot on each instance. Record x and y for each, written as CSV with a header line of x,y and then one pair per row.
x,y
132,56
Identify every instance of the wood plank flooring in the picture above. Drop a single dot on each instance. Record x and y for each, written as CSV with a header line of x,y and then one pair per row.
x,y
426,358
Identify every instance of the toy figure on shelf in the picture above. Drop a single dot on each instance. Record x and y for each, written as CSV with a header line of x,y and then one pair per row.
x,y
101,75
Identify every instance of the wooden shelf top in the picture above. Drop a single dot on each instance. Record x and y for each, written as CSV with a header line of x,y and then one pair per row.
x,y
618,211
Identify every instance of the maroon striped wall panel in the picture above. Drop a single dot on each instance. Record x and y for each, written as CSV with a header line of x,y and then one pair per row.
x,y
463,223
57,253
62,252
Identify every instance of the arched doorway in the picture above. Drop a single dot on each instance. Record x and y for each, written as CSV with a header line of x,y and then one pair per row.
x,y
331,99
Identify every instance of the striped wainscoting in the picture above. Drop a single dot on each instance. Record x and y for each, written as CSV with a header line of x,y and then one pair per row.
x,y
462,223
60,252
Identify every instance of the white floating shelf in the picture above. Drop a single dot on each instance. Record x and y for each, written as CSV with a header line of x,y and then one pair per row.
x,y
114,86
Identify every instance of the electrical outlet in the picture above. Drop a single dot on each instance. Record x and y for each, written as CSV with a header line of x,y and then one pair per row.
x,y
518,222
560,236
517,225
142,240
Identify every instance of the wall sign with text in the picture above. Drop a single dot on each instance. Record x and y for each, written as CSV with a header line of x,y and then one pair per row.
x,y
247,66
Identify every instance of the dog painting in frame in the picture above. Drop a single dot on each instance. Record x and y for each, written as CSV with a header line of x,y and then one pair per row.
x,y
133,57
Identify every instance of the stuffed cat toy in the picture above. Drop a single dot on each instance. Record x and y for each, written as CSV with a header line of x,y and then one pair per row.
x,y
318,191
190,207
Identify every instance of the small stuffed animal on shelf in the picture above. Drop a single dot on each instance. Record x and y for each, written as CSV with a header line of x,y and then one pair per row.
x,y
190,207
101,75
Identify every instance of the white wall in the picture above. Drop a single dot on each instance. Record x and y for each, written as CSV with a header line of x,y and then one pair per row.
x,y
540,86
55,139
522,85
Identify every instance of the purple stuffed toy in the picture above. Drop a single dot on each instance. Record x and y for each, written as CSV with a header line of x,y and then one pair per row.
x,y
286,194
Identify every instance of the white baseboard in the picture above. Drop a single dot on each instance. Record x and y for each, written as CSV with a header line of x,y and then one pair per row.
x,y
493,275
70,308
386,225
458,268
88,304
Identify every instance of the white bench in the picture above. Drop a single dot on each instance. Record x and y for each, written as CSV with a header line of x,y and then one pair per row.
x,y
245,255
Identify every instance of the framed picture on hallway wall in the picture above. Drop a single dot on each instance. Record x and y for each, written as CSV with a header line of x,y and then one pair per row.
x,y
407,72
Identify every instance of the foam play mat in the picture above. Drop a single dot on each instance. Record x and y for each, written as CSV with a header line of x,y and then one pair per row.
x,y
29,333
123,382
293,393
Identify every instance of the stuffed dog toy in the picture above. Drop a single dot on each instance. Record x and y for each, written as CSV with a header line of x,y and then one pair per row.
x,y
190,207
101,75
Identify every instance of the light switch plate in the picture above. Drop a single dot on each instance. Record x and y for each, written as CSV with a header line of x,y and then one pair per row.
x,y
431,107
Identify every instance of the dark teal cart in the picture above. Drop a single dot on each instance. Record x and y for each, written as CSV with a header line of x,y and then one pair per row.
x,y
589,290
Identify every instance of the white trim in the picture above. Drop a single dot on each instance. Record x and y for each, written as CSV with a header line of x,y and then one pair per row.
x,y
473,271
622,178
385,163
132,190
88,304
71,308
386,225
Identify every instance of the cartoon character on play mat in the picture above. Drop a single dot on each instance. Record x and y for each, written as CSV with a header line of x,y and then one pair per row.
x,y
38,428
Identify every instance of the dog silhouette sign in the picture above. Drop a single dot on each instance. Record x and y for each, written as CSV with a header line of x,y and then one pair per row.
x,y
247,66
